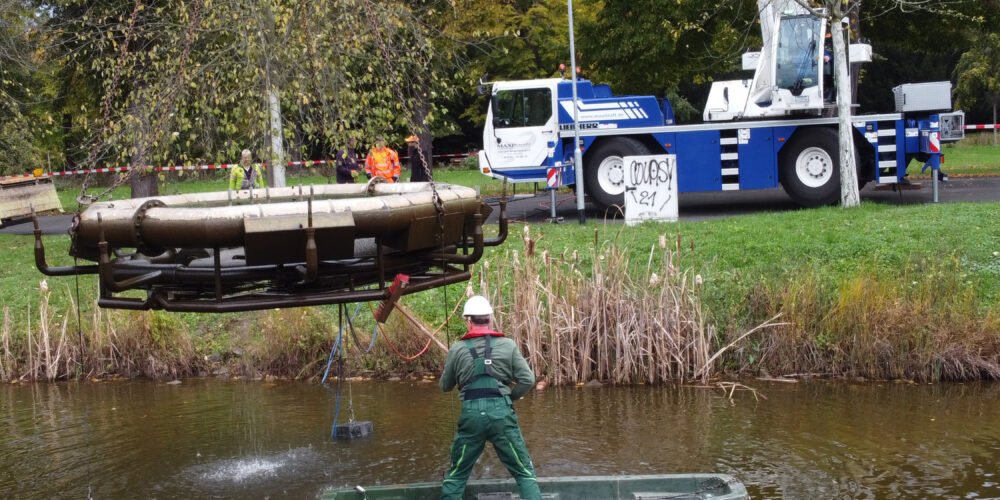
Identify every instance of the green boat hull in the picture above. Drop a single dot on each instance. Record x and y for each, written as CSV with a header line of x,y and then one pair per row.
x,y
663,486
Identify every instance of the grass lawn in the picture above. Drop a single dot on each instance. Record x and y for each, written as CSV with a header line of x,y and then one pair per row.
x,y
972,160
831,244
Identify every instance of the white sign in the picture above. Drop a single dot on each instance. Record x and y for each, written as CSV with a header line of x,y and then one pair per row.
x,y
650,188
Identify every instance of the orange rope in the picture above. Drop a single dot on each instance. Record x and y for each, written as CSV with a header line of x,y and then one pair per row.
x,y
436,330
408,358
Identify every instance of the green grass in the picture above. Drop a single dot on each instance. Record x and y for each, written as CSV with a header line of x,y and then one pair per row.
x,y
736,254
972,159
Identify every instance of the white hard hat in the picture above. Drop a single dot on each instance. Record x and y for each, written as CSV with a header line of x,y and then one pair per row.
x,y
477,305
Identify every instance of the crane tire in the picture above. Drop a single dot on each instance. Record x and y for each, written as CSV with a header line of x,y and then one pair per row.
x,y
604,171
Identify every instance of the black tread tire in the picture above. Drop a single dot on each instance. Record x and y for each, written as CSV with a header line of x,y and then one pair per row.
x,y
617,147
828,193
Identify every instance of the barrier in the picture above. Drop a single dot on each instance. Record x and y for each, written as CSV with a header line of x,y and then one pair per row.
x,y
210,166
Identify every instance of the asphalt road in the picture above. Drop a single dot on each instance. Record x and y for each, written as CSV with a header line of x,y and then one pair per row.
x,y
693,206
702,206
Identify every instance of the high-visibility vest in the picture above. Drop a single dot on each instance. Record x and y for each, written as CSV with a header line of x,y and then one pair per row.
x,y
383,163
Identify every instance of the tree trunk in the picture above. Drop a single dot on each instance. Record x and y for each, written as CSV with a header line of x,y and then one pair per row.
x,y
855,34
142,179
849,196
277,148
145,183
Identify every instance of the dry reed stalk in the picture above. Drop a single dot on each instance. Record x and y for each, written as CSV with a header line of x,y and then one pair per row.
x,y
51,369
7,368
30,371
610,325
53,372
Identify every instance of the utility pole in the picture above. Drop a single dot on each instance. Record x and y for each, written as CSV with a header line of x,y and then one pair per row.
x,y
577,156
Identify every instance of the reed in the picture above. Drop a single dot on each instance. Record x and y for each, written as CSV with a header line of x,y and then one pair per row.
x,y
289,342
599,318
924,325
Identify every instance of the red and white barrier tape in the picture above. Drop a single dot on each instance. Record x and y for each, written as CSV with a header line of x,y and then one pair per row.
x,y
307,163
982,127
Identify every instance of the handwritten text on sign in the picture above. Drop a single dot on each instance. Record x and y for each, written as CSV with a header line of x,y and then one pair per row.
x,y
650,188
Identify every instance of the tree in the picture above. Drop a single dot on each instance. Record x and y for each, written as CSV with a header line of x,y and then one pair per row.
x,y
19,89
978,75
179,81
660,46
834,11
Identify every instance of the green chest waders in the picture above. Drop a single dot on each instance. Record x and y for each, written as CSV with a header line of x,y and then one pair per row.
x,y
484,382
487,415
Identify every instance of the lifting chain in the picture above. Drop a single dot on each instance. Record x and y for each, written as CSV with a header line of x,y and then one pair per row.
x,y
415,127
85,199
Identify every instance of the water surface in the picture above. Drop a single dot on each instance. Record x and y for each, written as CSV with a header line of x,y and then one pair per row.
x,y
233,439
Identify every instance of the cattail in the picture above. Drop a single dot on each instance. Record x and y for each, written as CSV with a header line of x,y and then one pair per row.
x,y
663,241
545,257
517,261
468,290
697,279
44,285
654,280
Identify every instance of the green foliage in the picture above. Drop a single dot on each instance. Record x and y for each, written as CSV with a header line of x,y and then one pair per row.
x,y
660,45
978,73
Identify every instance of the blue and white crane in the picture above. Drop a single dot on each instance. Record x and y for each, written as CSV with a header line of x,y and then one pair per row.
x,y
778,128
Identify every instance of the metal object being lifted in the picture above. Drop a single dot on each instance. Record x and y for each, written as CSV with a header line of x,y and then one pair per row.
x,y
282,247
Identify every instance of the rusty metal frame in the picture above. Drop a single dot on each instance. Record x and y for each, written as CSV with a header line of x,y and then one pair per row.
x,y
173,284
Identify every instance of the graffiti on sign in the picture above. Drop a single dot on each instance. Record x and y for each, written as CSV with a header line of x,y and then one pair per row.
x,y
650,188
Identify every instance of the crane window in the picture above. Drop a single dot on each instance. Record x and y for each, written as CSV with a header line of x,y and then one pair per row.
x,y
798,57
522,108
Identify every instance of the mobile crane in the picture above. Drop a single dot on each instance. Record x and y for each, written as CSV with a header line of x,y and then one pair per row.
x,y
777,128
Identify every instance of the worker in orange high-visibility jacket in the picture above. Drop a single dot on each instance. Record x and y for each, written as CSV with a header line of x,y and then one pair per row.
x,y
382,162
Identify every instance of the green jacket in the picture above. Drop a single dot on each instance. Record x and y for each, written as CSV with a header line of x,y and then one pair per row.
x,y
508,363
236,175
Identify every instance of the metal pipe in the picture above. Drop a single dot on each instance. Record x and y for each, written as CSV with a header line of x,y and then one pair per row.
x,y
217,272
477,247
108,278
182,221
44,267
502,230
577,157
257,302
312,255
123,303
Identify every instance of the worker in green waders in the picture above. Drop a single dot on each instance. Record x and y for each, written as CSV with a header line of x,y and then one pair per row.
x,y
484,364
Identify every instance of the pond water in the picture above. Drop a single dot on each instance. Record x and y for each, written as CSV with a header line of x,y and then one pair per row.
x,y
237,439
